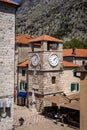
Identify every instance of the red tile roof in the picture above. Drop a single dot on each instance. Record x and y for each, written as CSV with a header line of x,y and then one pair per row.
x,y
45,38
69,64
23,38
65,64
23,64
78,52
9,1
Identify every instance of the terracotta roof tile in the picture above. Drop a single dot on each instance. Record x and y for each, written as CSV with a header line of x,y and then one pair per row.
x,y
23,64
9,1
46,38
78,52
69,64
23,38
65,64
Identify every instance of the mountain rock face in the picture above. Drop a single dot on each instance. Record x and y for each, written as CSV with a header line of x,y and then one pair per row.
x,y
64,19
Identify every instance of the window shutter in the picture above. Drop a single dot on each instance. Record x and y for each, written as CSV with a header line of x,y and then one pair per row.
x,y
20,85
23,72
72,87
77,87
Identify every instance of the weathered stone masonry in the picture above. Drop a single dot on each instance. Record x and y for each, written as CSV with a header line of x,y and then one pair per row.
x,y
7,44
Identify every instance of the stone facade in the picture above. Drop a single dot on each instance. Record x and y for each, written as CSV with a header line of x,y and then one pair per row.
x,y
40,76
21,78
21,54
75,60
67,78
7,47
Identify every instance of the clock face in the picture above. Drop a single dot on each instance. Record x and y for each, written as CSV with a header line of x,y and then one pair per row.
x,y
35,60
53,60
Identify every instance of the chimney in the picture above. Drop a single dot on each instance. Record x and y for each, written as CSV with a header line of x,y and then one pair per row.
x,y
73,51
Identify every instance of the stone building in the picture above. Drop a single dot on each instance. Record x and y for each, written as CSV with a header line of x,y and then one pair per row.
x,y
70,84
7,47
67,82
21,52
76,56
45,61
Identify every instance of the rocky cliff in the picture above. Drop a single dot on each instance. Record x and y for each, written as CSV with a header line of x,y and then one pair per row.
x,y
65,19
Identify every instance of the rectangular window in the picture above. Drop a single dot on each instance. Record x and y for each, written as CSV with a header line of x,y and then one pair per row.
x,y
23,72
20,85
53,80
74,87
23,85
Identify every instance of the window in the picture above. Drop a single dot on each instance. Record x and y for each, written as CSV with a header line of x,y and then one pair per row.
x,y
74,87
23,72
23,85
20,85
52,46
53,80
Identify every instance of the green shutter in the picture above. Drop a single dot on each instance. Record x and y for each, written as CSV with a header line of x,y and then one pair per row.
x,y
77,86
23,72
72,87
20,85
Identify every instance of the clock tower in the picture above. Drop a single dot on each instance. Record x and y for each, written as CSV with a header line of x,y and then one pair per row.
x,y
45,61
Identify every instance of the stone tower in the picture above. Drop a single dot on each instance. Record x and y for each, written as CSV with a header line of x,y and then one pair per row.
x,y
45,61
7,47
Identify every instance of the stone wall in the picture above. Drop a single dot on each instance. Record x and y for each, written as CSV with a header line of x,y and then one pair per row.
x,y
20,77
40,76
7,42
77,60
66,79
22,53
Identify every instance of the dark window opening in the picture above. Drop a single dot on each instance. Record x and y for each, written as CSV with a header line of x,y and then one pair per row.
x,y
23,72
53,80
52,46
